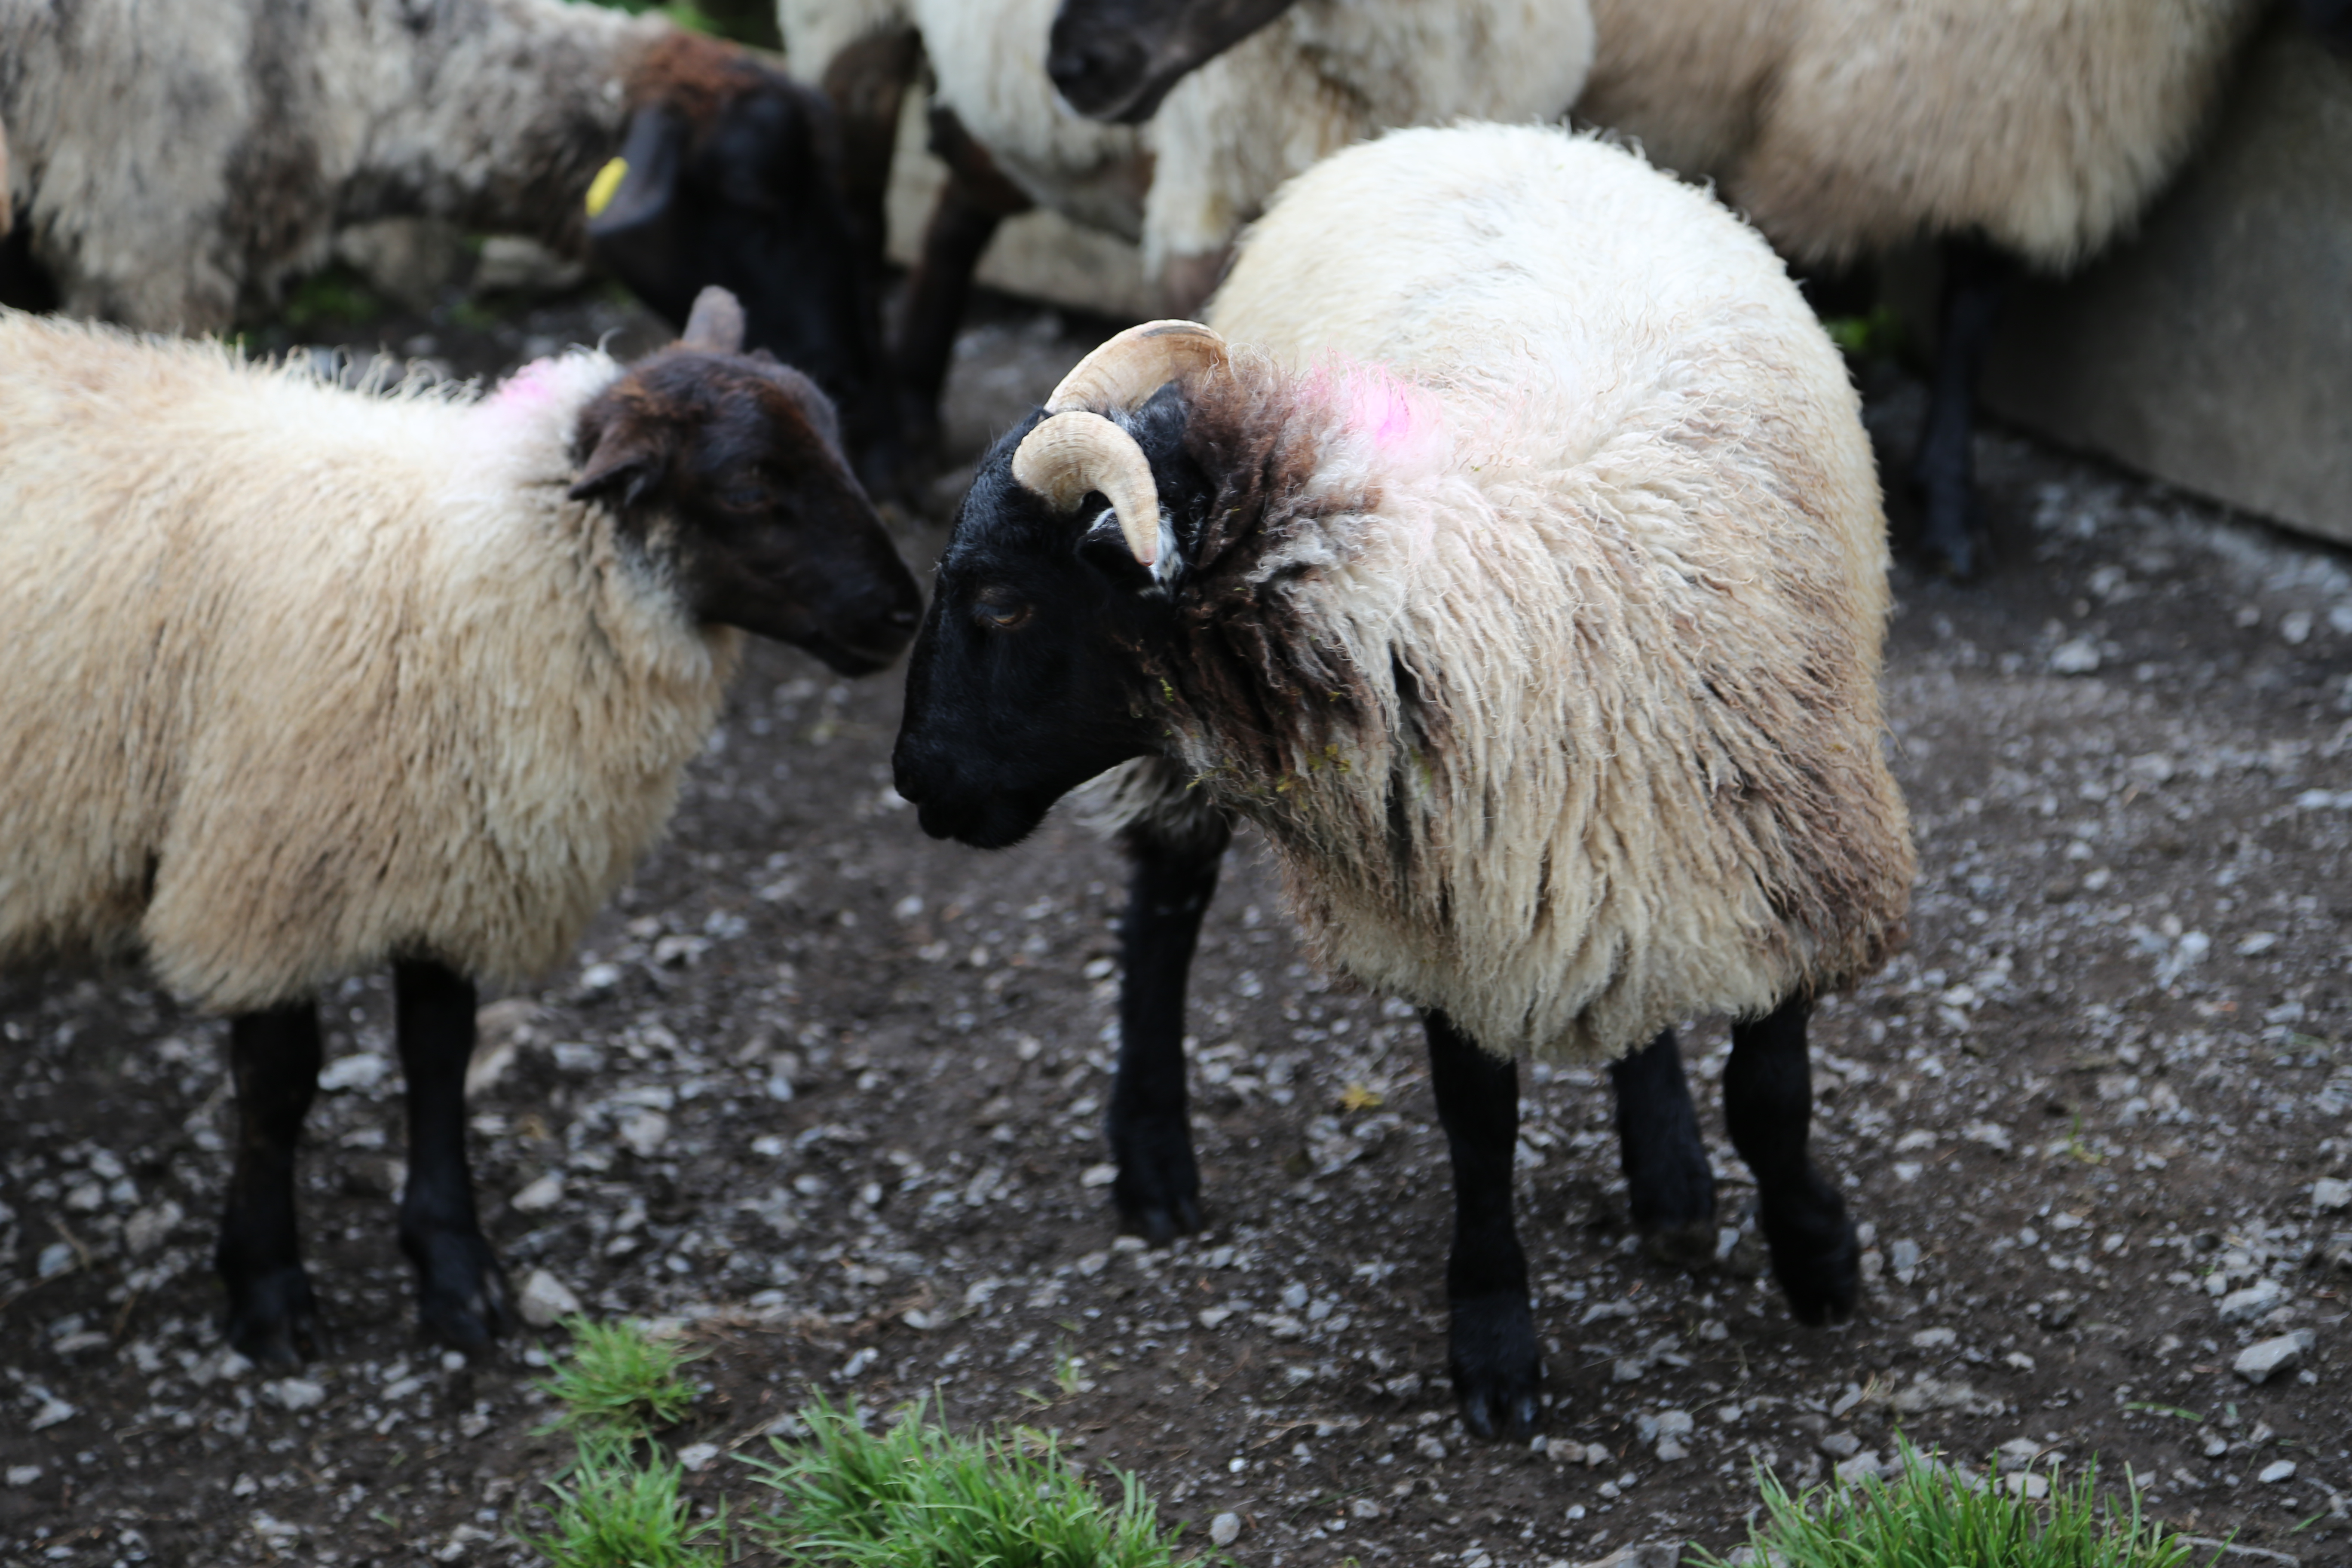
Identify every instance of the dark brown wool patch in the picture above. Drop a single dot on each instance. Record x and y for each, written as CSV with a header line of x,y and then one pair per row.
x,y
692,75
1244,650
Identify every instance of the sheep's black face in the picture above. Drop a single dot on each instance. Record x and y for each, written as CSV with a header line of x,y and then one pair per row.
x,y
1115,59
1028,678
2332,20
731,465
741,188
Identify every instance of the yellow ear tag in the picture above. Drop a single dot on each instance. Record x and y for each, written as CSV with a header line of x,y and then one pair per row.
x,y
608,180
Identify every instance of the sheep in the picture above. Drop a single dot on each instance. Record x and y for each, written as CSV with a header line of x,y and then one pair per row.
x,y
308,679
1329,74
1521,575
1845,127
180,163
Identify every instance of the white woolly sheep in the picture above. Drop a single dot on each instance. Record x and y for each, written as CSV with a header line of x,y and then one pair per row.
x,y
1844,127
307,680
178,164
1522,575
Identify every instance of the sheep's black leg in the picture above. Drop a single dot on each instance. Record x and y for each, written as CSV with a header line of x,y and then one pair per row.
x,y
1668,1183
1494,1359
1976,283
274,1061
1767,1101
1158,1187
974,201
461,1292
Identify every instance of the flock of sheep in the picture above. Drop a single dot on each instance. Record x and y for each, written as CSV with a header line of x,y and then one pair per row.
x,y
1504,542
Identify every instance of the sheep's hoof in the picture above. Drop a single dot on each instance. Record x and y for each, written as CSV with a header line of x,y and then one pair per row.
x,y
1496,1365
1689,1245
1158,1191
462,1296
273,1318
1950,554
1159,1220
1817,1259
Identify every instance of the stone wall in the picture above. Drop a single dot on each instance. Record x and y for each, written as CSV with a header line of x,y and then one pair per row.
x,y
2215,349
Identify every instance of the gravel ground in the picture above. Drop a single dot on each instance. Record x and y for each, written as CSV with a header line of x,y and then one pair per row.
x,y
825,1095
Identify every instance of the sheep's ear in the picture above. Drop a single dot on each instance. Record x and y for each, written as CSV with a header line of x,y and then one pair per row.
x,y
715,323
627,462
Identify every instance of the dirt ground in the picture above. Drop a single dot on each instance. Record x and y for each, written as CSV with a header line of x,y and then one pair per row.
x,y
828,1094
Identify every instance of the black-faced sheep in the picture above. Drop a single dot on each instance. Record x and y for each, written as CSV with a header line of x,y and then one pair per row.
x,y
1523,578
305,679
1843,127
177,164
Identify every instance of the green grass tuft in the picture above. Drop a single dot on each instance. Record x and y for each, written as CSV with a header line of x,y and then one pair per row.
x,y
917,1496
619,1382
1933,1518
616,1513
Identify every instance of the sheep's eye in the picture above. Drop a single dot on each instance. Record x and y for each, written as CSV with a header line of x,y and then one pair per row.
x,y
745,498
998,611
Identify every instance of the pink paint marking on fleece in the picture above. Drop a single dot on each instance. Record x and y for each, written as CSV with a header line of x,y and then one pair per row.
x,y
1399,418
529,389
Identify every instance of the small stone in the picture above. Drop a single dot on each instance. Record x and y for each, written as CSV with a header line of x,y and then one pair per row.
x,y
1099,1175
360,1070
645,1132
2265,1359
2028,1484
1670,1450
2080,657
1935,1339
510,263
23,1475
540,1195
150,1228
294,1393
545,1300
1862,1466
2277,1470
1839,1445
2330,1193
1226,1529
697,1456
1903,1258
1428,1447
1210,1317
52,1411
2257,1301
1365,1507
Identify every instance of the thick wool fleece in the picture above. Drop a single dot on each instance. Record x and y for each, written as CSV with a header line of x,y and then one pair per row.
x,y
1841,127
183,158
1540,623
1327,73
303,679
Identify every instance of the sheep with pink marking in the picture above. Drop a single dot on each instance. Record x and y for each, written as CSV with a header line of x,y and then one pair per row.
x,y
1510,554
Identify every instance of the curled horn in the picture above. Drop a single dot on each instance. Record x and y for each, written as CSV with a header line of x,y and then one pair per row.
x,y
1076,449
1138,362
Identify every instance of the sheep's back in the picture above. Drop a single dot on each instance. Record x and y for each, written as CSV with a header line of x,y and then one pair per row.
x,y
1328,73
1614,618
1842,127
314,678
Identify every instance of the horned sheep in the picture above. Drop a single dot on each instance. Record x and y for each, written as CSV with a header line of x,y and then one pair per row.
x,y
1520,573
176,165
308,679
